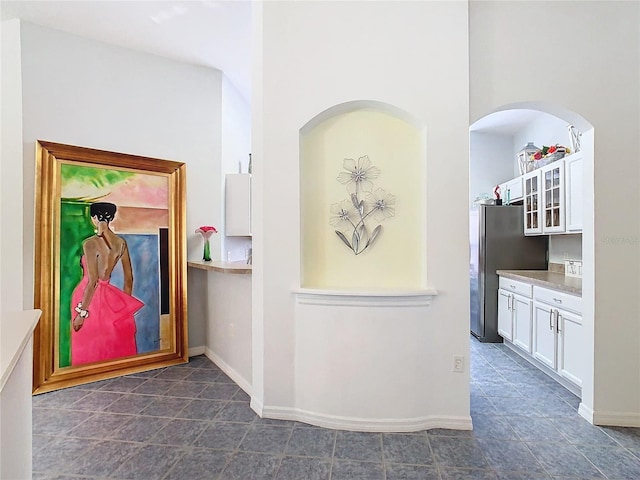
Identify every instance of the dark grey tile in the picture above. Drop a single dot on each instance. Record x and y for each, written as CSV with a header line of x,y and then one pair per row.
x,y
219,391
47,421
165,407
296,468
95,401
490,426
41,441
103,458
311,442
201,409
222,435
266,439
457,452
578,431
201,361
175,373
509,456
146,373
236,412
449,432
563,459
93,385
359,446
482,406
241,396
351,470
510,407
535,429
100,425
60,454
555,407
626,436
154,386
185,389
203,375
397,471
406,448
122,384
467,474
139,429
224,378
522,476
179,432
130,403
251,466
151,462
500,389
614,462
60,398
199,464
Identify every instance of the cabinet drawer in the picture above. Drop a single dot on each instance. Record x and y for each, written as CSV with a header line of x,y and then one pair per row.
x,y
515,286
558,299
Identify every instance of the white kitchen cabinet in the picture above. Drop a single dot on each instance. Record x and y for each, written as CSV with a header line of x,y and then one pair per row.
x,y
553,198
511,191
532,204
573,192
238,205
557,332
514,312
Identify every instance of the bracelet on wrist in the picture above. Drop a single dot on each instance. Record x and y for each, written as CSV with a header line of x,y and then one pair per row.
x,y
80,311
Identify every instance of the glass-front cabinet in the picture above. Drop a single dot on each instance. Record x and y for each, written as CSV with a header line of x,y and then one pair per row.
x,y
553,207
531,200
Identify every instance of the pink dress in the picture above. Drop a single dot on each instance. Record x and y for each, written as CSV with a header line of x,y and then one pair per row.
x,y
109,331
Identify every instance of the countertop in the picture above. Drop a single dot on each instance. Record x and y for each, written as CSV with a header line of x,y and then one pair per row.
x,y
221,267
545,278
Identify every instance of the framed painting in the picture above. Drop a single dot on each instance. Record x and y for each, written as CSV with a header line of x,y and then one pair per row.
x,y
110,265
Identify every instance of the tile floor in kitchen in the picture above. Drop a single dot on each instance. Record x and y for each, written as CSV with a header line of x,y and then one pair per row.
x,y
192,422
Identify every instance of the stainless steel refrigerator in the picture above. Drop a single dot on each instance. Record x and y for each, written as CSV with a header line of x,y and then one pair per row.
x,y
498,243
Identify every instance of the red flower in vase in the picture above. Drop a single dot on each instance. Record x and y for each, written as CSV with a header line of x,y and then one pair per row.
x,y
206,231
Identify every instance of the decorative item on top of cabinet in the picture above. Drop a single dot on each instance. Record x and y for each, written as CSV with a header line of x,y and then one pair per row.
x,y
238,205
523,157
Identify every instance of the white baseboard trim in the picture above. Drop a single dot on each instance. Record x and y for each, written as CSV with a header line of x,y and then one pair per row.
x,y
195,351
226,368
363,424
613,419
585,412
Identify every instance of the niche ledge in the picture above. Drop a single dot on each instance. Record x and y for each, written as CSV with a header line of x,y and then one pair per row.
x,y
366,298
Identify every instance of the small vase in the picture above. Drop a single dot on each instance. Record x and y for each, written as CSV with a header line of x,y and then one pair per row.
x,y
206,255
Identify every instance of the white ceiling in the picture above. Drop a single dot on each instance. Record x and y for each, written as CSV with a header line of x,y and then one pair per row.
x,y
215,34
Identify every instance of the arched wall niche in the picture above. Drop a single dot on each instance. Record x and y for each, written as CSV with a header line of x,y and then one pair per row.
x,y
394,142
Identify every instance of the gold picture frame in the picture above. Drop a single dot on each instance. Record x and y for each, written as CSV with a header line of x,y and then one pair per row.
x,y
110,265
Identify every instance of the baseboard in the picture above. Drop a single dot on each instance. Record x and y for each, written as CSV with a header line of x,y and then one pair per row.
x,y
195,351
364,424
226,368
585,412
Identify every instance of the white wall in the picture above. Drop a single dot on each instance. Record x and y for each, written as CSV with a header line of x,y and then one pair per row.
x,y
236,146
83,92
568,68
491,163
11,245
312,56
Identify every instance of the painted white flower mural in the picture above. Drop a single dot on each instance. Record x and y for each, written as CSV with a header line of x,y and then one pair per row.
x,y
353,216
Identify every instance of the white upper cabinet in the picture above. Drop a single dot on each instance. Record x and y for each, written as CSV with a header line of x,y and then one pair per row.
x,y
573,193
532,204
553,198
238,205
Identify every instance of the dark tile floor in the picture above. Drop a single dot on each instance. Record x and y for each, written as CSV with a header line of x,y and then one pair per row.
x,y
192,422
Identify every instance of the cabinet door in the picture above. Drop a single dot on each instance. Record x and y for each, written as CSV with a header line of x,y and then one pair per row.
x,y
544,334
514,190
238,205
553,205
505,320
570,347
531,200
521,309
573,184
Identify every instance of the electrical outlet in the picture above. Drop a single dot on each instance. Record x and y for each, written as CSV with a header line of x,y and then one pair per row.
x,y
458,363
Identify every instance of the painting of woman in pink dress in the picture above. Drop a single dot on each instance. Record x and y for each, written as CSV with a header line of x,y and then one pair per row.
x,y
103,325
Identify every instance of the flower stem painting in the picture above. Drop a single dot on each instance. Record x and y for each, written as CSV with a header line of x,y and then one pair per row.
x,y
366,205
109,265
